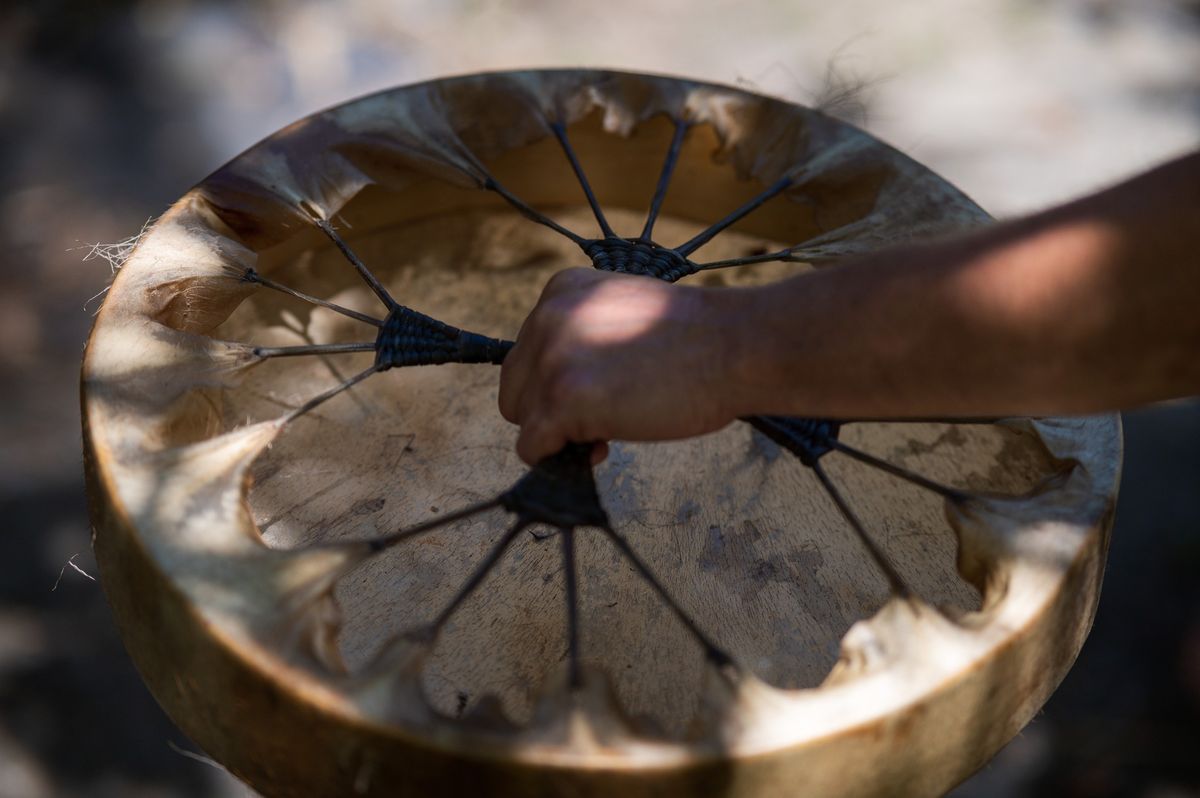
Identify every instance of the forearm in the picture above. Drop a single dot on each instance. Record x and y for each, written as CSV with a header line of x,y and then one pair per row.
x,y
1091,306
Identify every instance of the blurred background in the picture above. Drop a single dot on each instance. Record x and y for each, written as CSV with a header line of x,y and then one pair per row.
x,y
111,109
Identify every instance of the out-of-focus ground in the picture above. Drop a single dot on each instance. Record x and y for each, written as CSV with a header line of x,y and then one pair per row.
x,y
109,110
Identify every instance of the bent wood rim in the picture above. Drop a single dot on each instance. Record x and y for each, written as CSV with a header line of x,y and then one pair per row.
x,y
880,726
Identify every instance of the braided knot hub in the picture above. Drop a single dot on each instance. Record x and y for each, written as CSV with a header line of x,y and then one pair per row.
x,y
635,256
410,338
807,438
559,491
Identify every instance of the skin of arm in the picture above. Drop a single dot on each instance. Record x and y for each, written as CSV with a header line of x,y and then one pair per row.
x,y
1087,307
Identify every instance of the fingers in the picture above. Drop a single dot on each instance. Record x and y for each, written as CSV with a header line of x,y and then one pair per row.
x,y
538,441
541,437
543,389
514,372
519,366
559,406
514,377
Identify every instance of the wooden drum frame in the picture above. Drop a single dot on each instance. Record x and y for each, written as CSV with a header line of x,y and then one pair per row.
x,y
343,582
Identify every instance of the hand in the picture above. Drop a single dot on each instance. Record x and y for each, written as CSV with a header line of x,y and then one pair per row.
x,y
607,356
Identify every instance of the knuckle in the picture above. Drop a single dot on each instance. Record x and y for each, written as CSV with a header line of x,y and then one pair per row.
x,y
558,312
557,281
568,278
535,442
569,390
580,430
555,360
558,285
508,405
510,390
531,328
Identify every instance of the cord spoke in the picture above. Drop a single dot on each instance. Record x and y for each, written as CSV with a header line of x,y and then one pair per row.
x,y
977,420
897,471
783,255
386,542
320,399
314,349
480,573
711,650
368,277
807,438
572,595
560,132
252,276
893,577
530,213
664,178
749,207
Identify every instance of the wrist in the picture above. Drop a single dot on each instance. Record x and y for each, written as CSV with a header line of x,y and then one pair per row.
x,y
734,335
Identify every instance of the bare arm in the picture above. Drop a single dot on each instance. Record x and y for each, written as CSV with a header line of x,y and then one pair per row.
x,y
1091,306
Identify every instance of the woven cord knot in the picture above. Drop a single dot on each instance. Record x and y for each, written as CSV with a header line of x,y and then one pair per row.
x,y
559,491
410,338
634,256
